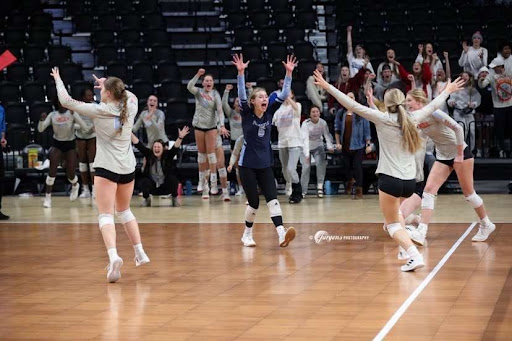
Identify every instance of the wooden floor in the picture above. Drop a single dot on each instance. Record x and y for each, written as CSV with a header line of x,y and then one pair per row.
x,y
202,284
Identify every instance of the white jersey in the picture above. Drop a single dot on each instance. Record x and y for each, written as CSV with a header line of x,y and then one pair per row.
x,y
113,140
315,133
63,125
287,121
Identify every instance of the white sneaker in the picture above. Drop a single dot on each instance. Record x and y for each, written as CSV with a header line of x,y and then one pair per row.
x,y
247,239
47,203
286,236
483,232
114,270
206,191
288,189
199,187
214,188
240,192
141,260
413,263
402,254
410,229
74,192
419,236
413,219
86,193
93,192
226,197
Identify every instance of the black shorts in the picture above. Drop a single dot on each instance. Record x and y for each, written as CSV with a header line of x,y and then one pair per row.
x,y
420,186
64,146
114,177
204,130
79,139
467,155
396,187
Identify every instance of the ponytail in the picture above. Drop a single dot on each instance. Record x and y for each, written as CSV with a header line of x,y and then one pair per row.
x,y
123,117
117,88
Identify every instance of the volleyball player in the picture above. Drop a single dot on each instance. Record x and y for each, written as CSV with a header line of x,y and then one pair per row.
x,y
114,163
256,158
86,147
399,140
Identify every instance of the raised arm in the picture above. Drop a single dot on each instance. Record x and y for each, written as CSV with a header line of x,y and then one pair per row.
x,y
225,100
291,63
138,123
312,92
238,61
349,41
86,109
451,87
448,68
44,122
191,86
220,112
464,55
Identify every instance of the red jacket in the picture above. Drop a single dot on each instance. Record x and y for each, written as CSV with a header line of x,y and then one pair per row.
x,y
426,77
352,85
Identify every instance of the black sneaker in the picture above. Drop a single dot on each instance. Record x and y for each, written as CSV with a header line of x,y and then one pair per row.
x,y
3,216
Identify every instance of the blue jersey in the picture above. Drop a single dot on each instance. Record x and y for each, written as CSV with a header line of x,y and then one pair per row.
x,y
257,149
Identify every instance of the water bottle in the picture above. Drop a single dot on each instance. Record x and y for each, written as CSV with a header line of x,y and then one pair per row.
x,y
19,161
188,187
232,190
327,187
180,189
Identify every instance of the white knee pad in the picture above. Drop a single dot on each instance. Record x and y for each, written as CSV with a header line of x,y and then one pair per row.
x,y
274,208
105,219
212,158
50,180
223,173
201,157
392,228
474,200
82,167
74,180
91,167
250,213
428,201
125,216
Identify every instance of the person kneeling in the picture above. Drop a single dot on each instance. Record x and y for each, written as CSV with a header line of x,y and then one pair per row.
x,y
158,176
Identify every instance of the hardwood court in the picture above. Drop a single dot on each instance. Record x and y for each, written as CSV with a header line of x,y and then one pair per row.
x,y
202,284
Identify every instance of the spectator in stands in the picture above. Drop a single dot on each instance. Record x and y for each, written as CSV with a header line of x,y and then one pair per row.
x,y
235,126
441,79
505,54
3,144
346,84
485,113
208,102
426,55
114,163
473,57
86,148
390,57
63,123
353,138
314,131
501,85
384,80
159,174
273,95
360,60
291,145
464,103
420,78
316,95
153,120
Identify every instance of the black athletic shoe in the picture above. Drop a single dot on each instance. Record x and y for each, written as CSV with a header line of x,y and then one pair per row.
x,y
3,216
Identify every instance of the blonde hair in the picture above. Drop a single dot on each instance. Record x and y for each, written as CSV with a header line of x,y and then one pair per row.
x,y
253,94
419,95
118,91
394,100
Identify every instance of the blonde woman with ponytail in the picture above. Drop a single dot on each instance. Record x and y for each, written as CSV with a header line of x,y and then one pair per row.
x,y
114,163
399,140
452,153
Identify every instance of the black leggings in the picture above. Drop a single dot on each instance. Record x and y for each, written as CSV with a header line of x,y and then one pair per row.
x,y
148,186
252,178
353,160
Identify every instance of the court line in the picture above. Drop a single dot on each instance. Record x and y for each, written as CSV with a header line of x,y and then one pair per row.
x,y
396,316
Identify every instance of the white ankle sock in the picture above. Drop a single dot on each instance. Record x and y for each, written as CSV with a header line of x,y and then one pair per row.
x,y
413,251
248,230
280,229
138,249
486,221
224,191
112,254
422,226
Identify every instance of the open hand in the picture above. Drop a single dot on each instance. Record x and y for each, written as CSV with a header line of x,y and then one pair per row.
x,y
319,80
238,61
183,132
55,73
224,132
454,86
100,81
291,63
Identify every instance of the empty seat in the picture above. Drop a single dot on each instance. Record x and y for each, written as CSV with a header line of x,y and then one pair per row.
x,y
260,19
70,72
17,21
306,68
134,52
294,34
279,4
283,19
303,50
83,22
237,19
119,70
18,73
243,35
268,34
258,69
398,33
147,6
39,37
255,5
231,5
103,37
37,108
267,83
299,89
123,6
41,21
170,88
33,92
277,51
142,70
304,5
153,21
106,22
142,89
167,70
14,37
77,88
177,112
306,19
33,54
19,137
9,92
59,54
251,51
161,52
374,33
131,22
41,72
51,91
128,37
16,114
105,53
156,36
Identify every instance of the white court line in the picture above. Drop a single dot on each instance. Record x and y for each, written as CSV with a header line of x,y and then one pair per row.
x,y
396,316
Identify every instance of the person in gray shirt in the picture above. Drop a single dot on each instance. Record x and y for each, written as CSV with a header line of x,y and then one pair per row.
x,y
153,120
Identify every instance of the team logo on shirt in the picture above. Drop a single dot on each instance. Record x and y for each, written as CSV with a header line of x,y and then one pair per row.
x,y
504,89
61,119
261,127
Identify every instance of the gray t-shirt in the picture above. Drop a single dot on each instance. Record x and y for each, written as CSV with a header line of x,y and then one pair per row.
x,y
154,124
207,102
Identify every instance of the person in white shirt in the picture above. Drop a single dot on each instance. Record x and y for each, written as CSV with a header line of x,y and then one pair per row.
x,y
399,140
114,163
290,143
390,57
356,57
473,57
314,131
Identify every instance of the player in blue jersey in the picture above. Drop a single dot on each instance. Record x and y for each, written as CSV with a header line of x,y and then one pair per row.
x,y
256,157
